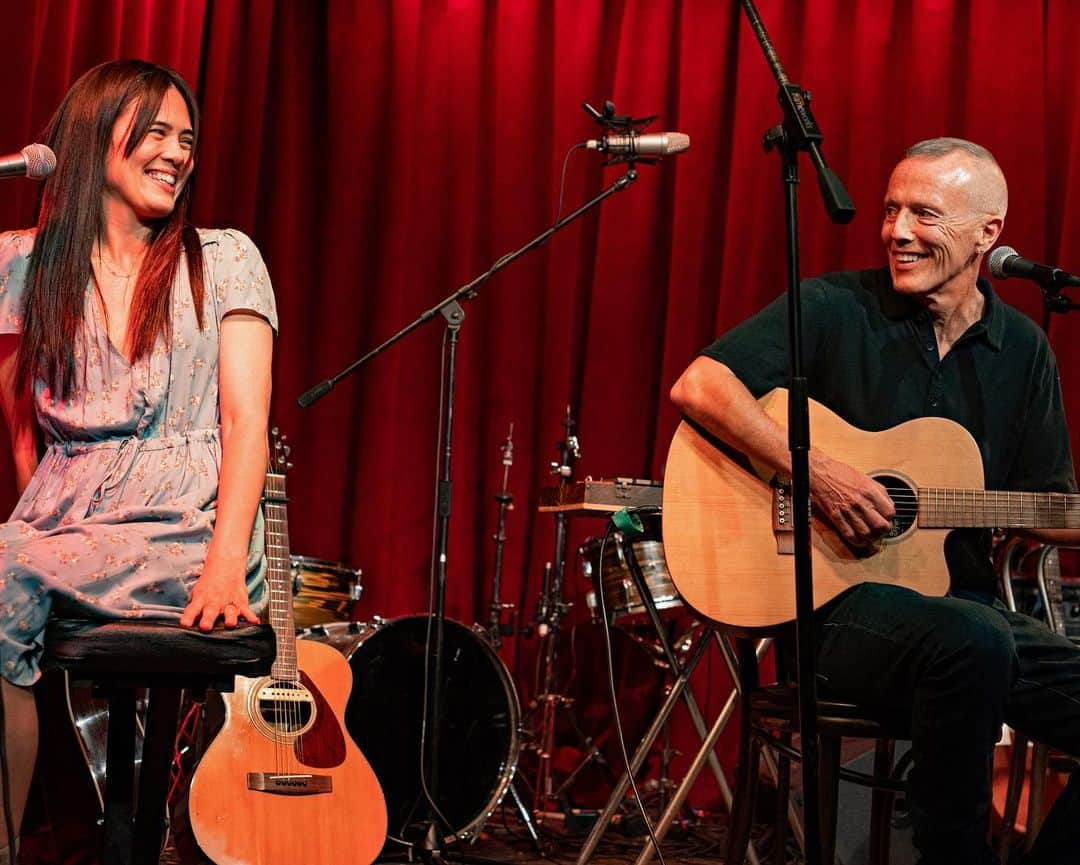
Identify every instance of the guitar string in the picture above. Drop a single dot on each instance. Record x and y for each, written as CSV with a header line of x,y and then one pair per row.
x,y
281,705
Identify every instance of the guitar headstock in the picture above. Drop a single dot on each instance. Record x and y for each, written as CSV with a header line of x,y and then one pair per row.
x,y
279,452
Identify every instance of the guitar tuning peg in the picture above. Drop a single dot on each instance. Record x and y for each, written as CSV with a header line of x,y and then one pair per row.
x,y
288,465
287,450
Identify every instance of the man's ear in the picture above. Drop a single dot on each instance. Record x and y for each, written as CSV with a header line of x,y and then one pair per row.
x,y
988,235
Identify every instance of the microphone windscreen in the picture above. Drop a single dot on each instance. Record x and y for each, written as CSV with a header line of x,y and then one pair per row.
x,y
677,142
40,160
997,258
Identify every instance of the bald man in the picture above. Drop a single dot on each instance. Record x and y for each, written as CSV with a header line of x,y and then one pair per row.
x,y
925,336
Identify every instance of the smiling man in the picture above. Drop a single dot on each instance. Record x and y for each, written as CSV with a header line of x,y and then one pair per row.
x,y
924,337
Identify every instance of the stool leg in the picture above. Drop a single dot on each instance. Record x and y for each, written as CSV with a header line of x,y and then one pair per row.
x,y
881,808
161,719
829,791
119,777
742,802
783,795
1017,771
1039,758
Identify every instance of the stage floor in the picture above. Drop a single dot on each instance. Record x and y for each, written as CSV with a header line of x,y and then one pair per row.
x,y
505,842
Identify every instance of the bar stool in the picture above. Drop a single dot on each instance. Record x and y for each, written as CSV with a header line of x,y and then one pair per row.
x,y
117,659
770,717
1015,561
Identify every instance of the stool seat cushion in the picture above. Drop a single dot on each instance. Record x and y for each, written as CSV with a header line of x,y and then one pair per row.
x,y
777,707
130,648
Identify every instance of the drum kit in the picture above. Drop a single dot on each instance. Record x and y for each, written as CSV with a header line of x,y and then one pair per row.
x,y
561,751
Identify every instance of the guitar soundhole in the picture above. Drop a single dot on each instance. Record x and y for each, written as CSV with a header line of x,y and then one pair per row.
x,y
905,500
285,708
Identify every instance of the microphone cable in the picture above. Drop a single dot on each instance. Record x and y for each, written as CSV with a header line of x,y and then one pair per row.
x,y
632,514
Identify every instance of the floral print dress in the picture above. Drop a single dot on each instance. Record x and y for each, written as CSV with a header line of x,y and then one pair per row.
x,y
116,521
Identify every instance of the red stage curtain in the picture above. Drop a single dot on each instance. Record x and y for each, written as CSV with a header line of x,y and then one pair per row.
x,y
384,153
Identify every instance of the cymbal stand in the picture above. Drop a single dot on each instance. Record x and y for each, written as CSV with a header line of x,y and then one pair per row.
x,y
679,690
550,611
496,629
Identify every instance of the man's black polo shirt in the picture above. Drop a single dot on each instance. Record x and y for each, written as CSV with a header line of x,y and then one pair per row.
x,y
871,356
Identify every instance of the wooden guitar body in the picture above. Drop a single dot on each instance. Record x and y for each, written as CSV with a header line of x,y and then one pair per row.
x,y
238,825
718,518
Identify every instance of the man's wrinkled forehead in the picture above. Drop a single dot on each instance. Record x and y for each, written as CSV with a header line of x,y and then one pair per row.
x,y
980,181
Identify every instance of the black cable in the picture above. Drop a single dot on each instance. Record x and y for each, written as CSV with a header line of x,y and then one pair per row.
x,y
602,602
562,180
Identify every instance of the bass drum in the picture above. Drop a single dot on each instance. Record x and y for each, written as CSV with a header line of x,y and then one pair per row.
x,y
480,735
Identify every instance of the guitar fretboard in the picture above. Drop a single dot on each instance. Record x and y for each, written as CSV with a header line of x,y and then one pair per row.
x,y
955,508
279,577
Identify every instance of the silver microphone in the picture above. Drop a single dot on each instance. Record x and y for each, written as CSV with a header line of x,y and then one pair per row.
x,y
650,144
35,161
1005,261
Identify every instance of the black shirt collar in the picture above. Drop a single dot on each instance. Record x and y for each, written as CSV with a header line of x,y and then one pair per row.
x,y
899,307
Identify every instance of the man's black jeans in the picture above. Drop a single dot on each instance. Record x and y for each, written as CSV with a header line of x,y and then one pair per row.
x,y
960,666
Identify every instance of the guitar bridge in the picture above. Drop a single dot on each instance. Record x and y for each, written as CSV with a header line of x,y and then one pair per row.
x,y
782,523
289,785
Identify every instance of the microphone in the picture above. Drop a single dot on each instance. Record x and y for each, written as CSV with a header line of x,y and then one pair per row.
x,y
35,161
1006,261
650,144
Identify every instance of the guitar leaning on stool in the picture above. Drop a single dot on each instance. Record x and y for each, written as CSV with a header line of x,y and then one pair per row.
x,y
283,783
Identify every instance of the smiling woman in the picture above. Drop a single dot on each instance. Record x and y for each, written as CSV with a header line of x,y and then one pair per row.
x,y
140,347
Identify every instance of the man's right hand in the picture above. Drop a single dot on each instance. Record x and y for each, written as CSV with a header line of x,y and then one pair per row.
x,y
858,507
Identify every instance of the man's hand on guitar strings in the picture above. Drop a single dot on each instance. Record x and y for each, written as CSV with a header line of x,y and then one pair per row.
x,y
856,505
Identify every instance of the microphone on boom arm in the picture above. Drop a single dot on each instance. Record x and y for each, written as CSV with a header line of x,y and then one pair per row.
x,y
625,141
648,144
1005,262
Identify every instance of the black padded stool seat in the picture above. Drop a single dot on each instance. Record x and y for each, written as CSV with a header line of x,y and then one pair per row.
x,y
118,657
776,707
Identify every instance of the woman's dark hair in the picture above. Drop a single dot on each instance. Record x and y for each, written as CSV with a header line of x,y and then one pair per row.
x,y
71,219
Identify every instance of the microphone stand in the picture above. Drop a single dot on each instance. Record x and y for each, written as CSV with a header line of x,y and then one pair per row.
x,y
799,132
454,315
1055,301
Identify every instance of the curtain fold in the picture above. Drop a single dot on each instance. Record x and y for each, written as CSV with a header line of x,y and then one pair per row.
x,y
384,153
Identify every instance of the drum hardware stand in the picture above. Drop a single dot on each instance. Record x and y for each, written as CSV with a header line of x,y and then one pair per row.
x,y
451,311
679,690
550,611
698,764
496,629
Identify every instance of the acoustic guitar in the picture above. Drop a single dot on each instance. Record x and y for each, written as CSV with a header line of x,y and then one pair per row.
x,y
282,782
728,535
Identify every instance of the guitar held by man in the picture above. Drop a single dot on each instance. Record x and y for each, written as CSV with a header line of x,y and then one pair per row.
x,y
936,391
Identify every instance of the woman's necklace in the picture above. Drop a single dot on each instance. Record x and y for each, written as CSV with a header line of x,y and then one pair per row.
x,y
115,274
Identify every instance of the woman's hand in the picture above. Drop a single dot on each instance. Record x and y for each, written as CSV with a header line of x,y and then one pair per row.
x,y
219,593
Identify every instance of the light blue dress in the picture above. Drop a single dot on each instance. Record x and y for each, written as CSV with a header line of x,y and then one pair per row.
x,y
116,521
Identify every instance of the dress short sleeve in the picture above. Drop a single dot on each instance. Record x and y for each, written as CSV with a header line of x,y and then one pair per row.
x,y
238,278
15,249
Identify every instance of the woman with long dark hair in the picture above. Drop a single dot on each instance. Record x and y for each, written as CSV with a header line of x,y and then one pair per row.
x,y
140,348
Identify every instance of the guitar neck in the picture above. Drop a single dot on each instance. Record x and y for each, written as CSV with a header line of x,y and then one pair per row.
x,y
956,508
278,576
